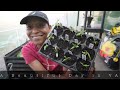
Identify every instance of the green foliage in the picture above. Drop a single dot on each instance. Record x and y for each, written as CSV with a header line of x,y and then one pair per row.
x,y
66,58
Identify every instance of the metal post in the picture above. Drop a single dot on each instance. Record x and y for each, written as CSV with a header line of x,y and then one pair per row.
x,y
102,23
85,19
78,19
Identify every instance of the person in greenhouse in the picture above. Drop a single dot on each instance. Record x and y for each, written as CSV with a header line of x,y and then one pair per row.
x,y
37,29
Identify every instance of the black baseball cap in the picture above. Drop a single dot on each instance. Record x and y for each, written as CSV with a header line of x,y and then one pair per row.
x,y
34,14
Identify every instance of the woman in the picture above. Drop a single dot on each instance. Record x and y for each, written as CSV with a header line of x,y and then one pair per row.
x,y
38,27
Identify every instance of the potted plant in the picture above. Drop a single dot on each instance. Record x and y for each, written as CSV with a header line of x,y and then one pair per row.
x,y
88,54
83,65
80,36
92,42
53,39
59,54
62,43
68,34
56,53
46,49
75,48
69,59
58,29
52,54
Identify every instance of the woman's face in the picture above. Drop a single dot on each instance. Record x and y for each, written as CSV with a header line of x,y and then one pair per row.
x,y
37,30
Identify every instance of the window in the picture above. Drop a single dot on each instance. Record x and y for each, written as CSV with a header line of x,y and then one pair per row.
x,y
112,17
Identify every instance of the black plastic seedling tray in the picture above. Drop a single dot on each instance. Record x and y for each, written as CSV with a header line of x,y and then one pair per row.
x,y
15,62
70,49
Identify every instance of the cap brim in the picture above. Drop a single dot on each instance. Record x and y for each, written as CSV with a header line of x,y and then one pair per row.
x,y
25,19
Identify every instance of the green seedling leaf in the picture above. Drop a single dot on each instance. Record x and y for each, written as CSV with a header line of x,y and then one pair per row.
x,y
75,45
51,37
45,47
85,65
86,53
78,34
66,58
96,42
81,32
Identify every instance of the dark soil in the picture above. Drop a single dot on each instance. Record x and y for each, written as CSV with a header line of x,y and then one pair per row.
x,y
62,44
113,65
59,30
52,53
46,50
56,54
69,33
82,65
60,54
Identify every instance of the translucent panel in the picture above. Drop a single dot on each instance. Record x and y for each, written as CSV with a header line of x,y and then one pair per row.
x,y
12,34
72,19
54,16
112,17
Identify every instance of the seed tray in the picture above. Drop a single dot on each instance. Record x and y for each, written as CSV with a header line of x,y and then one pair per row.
x,y
71,49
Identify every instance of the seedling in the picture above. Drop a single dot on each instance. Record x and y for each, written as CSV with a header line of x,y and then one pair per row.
x,y
80,36
50,37
92,42
85,65
66,58
86,53
74,45
81,32
45,47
